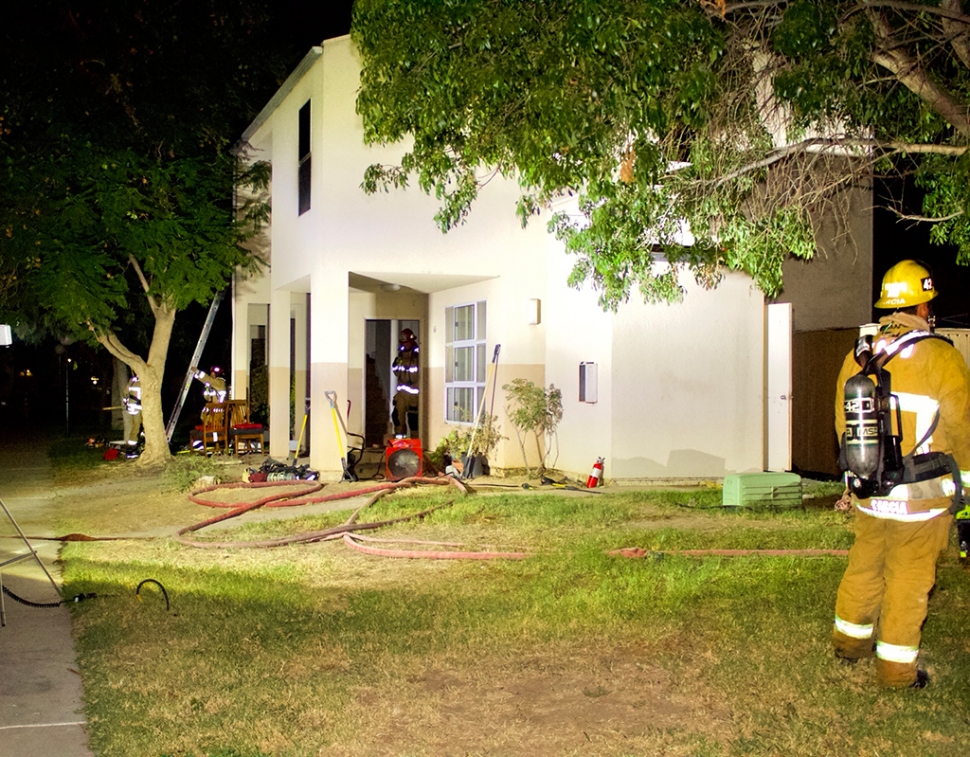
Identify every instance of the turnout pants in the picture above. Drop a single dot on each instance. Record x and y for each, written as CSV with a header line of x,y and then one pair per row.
x,y
405,414
882,599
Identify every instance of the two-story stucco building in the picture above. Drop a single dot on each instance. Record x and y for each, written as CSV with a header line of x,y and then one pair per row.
x,y
693,390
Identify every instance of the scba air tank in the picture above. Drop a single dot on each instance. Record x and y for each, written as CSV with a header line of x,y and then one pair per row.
x,y
862,448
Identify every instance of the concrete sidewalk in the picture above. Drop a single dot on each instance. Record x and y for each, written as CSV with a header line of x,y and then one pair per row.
x,y
40,689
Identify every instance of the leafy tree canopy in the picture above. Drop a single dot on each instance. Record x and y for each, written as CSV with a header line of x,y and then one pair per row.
x,y
117,121
746,120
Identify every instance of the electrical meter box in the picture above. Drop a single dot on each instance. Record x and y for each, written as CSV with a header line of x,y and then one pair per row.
x,y
762,489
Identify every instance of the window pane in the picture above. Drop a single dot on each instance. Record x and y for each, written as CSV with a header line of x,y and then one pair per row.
x,y
304,130
303,177
464,364
480,374
459,400
449,403
449,325
449,364
481,320
465,323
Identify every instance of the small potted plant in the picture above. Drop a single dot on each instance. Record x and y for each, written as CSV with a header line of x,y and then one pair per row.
x,y
468,445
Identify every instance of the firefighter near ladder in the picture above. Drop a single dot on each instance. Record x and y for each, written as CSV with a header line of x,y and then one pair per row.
x,y
903,415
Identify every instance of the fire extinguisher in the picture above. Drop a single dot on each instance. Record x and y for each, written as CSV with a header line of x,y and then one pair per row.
x,y
596,474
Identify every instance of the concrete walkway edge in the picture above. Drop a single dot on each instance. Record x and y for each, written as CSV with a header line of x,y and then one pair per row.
x,y
40,688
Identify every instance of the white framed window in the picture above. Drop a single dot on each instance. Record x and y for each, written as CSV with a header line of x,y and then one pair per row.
x,y
303,172
465,363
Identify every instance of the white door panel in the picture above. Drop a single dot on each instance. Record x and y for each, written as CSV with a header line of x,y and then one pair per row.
x,y
779,383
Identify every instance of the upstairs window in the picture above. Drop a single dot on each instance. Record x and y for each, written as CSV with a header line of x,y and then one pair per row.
x,y
465,363
304,169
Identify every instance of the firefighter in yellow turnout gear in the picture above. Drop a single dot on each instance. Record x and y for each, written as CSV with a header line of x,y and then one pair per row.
x,y
406,368
882,599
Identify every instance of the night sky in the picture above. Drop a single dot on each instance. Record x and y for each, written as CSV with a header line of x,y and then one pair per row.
x,y
895,240
309,22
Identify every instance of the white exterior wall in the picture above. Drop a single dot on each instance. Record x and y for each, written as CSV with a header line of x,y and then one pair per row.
x,y
688,395
387,236
578,331
680,386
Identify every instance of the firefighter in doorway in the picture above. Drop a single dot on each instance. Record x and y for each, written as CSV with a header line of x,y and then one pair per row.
x,y
406,374
882,599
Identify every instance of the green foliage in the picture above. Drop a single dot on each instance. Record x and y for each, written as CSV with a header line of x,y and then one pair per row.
x,y
458,440
657,117
184,472
80,229
533,409
117,126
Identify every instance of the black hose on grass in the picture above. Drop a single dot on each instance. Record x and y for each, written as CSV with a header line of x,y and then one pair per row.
x,y
81,597
159,585
28,603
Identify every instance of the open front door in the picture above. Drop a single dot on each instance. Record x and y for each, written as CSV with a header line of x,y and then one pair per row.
x,y
778,387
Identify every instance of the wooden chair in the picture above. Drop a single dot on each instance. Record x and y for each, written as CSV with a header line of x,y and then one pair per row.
x,y
238,412
215,427
244,435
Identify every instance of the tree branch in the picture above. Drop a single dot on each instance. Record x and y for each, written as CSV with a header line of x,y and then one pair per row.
x,y
724,9
110,341
914,77
926,219
946,9
957,32
828,145
152,302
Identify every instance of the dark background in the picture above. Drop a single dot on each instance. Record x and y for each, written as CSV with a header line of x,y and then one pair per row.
x,y
895,240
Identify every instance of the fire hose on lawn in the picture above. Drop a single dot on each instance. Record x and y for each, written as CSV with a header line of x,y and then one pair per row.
x,y
346,531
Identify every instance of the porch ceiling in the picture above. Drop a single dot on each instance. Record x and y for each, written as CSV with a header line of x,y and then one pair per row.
x,y
420,282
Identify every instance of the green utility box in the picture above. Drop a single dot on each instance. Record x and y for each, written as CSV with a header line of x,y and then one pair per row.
x,y
762,489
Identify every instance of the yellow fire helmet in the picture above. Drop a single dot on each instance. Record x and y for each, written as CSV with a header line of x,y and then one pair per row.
x,y
906,284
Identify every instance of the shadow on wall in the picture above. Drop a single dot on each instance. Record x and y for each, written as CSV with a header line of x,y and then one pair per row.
x,y
683,463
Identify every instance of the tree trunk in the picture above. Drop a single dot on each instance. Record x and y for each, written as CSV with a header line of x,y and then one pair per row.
x,y
150,373
156,452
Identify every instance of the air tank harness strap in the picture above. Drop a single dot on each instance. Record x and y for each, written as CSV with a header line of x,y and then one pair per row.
x,y
879,359
934,464
880,477
958,503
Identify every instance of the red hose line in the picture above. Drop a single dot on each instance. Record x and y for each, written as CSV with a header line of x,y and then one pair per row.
x,y
298,498
301,497
305,538
308,487
641,552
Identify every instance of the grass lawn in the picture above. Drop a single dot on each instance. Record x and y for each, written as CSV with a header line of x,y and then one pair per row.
x,y
319,649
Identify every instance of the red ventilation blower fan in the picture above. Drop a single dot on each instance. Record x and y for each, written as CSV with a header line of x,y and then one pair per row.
x,y
404,459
